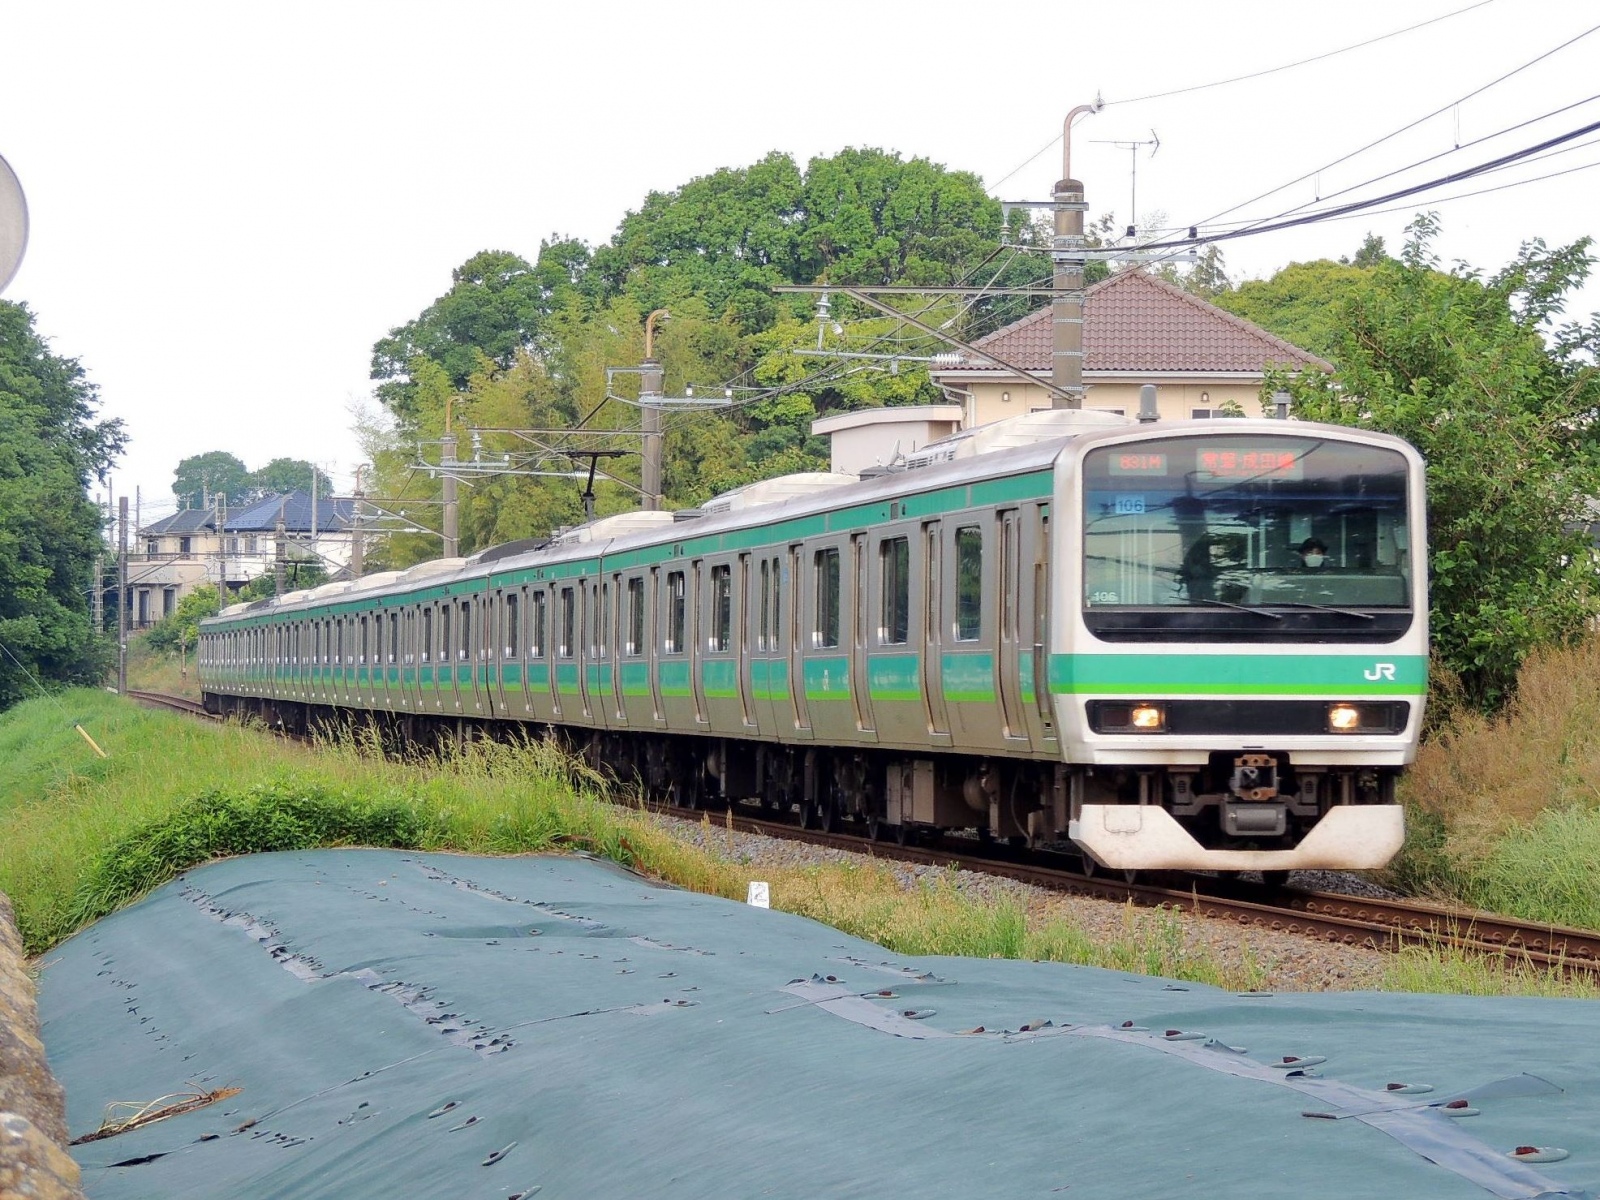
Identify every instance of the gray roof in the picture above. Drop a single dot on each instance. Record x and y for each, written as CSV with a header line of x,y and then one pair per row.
x,y
259,516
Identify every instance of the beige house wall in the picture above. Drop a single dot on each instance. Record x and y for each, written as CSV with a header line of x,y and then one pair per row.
x,y
1177,400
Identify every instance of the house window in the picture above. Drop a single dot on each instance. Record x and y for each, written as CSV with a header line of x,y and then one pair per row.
x,y
677,607
250,546
969,583
894,561
230,545
635,643
152,546
721,607
183,545
827,568
1201,414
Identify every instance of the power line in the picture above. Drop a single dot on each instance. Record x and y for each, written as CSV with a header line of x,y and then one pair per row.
x,y
1200,87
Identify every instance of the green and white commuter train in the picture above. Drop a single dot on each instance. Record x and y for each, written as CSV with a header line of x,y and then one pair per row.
x,y
1195,645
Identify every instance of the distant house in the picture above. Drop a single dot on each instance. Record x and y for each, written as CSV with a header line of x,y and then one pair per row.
x,y
1137,330
179,553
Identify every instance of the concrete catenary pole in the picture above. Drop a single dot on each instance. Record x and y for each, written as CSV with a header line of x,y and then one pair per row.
x,y
447,462
122,595
280,557
1066,355
357,549
650,389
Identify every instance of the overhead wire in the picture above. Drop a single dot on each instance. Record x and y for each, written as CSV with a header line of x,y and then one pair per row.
x,y
1200,87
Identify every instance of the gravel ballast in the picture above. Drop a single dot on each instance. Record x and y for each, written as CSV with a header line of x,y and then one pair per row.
x,y
1292,962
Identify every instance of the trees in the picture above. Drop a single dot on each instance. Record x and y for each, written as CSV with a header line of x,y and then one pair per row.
x,y
201,476
288,475
1502,406
50,447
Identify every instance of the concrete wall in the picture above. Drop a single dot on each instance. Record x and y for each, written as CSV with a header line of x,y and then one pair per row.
x,y
1178,400
34,1163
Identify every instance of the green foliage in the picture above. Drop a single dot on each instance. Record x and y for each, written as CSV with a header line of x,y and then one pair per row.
x,y
283,475
201,476
50,447
182,626
220,823
1303,303
1459,366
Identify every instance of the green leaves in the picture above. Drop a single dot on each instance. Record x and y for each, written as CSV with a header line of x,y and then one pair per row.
x,y
1461,369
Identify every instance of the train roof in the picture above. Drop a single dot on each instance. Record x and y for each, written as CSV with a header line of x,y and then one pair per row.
x,y
1018,445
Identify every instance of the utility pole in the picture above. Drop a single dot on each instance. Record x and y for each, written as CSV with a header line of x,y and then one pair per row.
x,y
356,548
447,462
122,595
650,390
1066,355
281,558
97,598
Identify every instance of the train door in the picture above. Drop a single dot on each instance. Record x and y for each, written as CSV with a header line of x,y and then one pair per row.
x,y
932,631
1009,630
795,635
589,646
861,623
697,647
653,644
1036,684
768,667
744,630
628,676
564,673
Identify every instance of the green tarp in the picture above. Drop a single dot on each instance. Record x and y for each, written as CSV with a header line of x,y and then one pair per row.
x,y
409,1025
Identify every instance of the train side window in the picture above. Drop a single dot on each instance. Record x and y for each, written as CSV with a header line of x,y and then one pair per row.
x,y
394,637
513,614
427,634
827,568
537,625
635,642
444,631
721,607
464,650
764,631
569,621
777,605
969,583
894,558
677,606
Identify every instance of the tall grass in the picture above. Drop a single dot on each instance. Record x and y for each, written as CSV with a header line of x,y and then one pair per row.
x,y
1505,810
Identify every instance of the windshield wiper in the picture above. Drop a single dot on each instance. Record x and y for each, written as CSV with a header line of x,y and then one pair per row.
x,y
1349,612
1244,608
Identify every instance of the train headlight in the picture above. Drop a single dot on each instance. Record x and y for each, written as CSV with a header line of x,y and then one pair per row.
x,y
1149,717
1344,718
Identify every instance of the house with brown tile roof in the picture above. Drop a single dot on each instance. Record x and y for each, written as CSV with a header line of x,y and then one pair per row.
x,y
1138,329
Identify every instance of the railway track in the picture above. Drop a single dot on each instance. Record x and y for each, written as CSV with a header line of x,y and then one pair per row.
x,y
1351,920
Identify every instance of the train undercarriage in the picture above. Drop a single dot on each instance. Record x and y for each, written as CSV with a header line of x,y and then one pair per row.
x,y
1238,811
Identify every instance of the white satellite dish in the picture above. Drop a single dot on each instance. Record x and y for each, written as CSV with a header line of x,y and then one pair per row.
x,y
13,224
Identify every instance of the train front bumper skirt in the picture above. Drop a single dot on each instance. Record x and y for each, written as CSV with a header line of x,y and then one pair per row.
x,y
1351,837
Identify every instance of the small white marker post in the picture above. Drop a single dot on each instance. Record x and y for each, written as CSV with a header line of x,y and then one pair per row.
x,y
760,896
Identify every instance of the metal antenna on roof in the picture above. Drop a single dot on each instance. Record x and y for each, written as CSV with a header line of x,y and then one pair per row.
x,y
1132,147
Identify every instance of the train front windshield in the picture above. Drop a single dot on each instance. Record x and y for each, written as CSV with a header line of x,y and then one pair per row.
x,y
1231,522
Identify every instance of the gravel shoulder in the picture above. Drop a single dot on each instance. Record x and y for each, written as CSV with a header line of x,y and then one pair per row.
x,y
1292,962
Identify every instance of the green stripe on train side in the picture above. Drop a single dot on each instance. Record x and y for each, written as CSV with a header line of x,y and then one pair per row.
x,y
635,678
1367,673
968,677
674,676
827,678
720,678
769,679
567,679
894,677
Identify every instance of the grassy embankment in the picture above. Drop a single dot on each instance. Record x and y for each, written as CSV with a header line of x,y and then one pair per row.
x,y
84,835
1504,814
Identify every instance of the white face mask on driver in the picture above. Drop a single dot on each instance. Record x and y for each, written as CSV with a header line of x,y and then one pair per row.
x,y
1313,560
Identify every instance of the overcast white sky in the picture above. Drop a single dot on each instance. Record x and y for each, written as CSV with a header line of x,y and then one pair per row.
x,y
231,202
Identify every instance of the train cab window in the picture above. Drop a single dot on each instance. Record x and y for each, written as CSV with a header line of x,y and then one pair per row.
x,y
536,625
721,607
513,615
827,568
677,608
894,560
635,640
569,623
969,583
427,635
